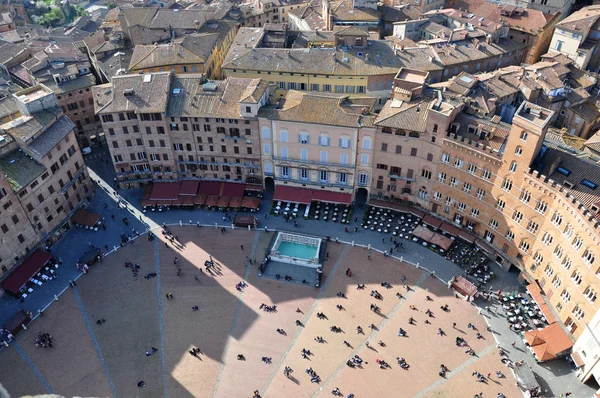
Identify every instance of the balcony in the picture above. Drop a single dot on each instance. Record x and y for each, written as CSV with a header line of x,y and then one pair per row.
x,y
252,165
399,177
290,160
315,183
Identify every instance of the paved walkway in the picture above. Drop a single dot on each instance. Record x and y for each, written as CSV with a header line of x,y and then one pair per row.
x,y
70,248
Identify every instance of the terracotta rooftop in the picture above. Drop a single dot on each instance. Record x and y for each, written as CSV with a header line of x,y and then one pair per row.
x,y
321,108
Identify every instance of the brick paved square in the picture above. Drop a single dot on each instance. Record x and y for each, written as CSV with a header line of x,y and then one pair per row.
x,y
229,322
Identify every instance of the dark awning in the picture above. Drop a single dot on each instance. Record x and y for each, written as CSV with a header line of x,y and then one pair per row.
x,y
250,202
451,229
432,221
212,200
165,191
189,188
332,197
25,271
210,188
235,203
188,200
223,201
86,218
253,187
233,190
292,194
466,236
200,199
483,245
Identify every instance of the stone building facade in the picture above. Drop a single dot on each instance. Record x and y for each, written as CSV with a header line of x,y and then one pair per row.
x,y
319,141
196,131
44,178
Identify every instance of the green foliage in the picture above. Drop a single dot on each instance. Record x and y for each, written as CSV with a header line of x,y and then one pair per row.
x,y
111,5
52,16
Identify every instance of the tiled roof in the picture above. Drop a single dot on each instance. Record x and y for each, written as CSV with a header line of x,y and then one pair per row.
x,y
581,20
332,109
587,111
114,64
580,168
254,92
340,30
192,49
160,18
377,59
192,100
8,107
52,136
20,169
79,83
403,115
311,15
343,11
530,20
9,50
149,94
497,129
558,138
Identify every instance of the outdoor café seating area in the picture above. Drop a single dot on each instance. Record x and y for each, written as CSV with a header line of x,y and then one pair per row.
x,y
209,195
37,269
522,312
389,221
86,220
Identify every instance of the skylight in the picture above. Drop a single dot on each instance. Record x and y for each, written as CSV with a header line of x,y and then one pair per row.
x,y
563,171
589,184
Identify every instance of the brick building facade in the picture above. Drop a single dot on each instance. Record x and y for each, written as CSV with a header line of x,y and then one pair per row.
x,y
44,179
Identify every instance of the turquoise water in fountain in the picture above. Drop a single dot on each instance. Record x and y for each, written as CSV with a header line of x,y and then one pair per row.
x,y
297,250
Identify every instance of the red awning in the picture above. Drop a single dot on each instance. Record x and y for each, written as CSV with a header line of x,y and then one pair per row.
x,y
235,203
250,202
466,236
200,199
332,197
189,188
24,272
536,294
292,194
210,188
188,200
451,229
442,241
483,245
223,201
85,218
212,200
146,197
432,221
253,187
176,202
464,286
147,202
233,190
165,191
423,233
